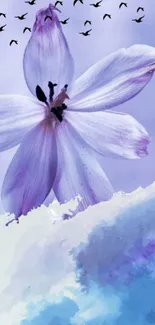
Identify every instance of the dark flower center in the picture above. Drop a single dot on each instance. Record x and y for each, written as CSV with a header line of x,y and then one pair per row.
x,y
57,105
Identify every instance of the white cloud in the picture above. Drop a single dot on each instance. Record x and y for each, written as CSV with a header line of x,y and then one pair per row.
x,y
44,262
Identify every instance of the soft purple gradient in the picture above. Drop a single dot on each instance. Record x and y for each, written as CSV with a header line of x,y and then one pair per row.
x,y
78,170
19,193
47,54
14,121
111,134
126,175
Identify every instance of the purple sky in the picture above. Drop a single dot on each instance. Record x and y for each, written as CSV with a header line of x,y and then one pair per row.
x,y
107,36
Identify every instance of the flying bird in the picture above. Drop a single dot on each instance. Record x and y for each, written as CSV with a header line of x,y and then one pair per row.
x,y
86,33
58,2
139,20
123,4
87,22
97,4
22,16
140,8
26,28
1,14
1,28
106,15
33,2
75,1
64,21
13,41
48,17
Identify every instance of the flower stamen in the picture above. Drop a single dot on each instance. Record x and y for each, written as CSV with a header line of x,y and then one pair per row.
x,y
57,105
41,95
51,88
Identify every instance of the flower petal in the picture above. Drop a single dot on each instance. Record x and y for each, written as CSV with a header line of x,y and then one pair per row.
x,y
113,80
47,56
111,133
78,171
18,114
31,173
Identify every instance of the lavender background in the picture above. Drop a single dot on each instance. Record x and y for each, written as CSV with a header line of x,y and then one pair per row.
x,y
107,36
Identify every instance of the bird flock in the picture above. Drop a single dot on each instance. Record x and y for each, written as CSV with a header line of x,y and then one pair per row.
x,y
22,17
107,15
65,21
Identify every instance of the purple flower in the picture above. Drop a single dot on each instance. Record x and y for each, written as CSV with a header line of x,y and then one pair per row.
x,y
63,131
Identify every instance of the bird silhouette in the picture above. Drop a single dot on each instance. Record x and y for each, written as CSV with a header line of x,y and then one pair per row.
x,y
123,4
48,17
26,28
75,1
1,14
22,16
97,4
1,28
139,20
86,33
106,15
87,22
140,8
58,2
13,41
33,2
64,21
